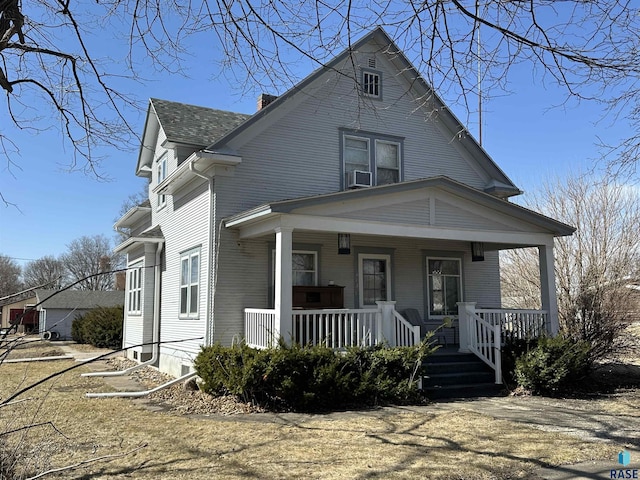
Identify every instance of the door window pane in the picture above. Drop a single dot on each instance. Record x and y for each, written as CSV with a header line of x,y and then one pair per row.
x,y
445,286
374,280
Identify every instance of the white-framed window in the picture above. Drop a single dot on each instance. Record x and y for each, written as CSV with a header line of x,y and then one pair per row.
x,y
444,289
304,267
189,283
371,83
134,289
368,152
374,272
161,170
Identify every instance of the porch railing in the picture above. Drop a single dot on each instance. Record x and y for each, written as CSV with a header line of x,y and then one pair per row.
x,y
516,324
484,341
335,328
484,331
259,327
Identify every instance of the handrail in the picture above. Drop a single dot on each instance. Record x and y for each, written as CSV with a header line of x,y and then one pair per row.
x,y
406,334
484,342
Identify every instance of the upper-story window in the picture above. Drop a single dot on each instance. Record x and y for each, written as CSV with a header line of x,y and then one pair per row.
x,y
372,83
387,162
162,174
189,282
370,159
134,289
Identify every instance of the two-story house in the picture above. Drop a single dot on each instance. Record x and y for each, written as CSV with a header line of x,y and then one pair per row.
x,y
353,197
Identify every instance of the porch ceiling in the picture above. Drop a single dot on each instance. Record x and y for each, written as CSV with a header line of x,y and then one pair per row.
x,y
435,208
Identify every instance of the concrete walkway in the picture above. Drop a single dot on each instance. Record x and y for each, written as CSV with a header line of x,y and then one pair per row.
x,y
580,418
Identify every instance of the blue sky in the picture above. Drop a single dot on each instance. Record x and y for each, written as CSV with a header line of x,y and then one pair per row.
x,y
528,138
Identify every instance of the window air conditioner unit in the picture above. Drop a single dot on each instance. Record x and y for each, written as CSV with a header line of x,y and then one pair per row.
x,y
359,178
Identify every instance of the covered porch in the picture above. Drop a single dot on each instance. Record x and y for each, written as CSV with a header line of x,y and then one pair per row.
x,y
430,245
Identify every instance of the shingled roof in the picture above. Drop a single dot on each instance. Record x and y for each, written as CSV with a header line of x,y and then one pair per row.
x,y
80,299
194,125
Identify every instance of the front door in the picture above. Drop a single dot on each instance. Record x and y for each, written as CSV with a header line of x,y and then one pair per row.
x,y
374,272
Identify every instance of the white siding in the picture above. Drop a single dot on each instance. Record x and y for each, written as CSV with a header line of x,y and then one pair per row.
x,y
184,229
409,213
298,154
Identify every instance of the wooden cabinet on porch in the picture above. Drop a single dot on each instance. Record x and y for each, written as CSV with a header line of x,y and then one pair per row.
x,y
312,297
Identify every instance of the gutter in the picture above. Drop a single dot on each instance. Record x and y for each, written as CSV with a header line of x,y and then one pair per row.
x,y
155,355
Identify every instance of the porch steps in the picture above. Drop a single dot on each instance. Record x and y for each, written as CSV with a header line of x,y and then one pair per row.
x,y
451,374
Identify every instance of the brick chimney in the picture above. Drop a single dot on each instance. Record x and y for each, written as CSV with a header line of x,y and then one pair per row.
x,y
265,99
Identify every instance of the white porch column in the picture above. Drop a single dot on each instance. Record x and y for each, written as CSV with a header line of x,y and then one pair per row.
x,y
465,311
386,310
283,287
548,293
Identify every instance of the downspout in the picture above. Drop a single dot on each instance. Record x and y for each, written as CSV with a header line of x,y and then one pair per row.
x,y
156,325
143,393
210,287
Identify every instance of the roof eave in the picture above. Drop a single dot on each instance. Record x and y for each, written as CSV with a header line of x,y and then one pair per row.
x,y
132,216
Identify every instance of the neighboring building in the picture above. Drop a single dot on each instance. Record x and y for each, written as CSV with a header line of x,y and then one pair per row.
x,y
20,311
356,190
57,310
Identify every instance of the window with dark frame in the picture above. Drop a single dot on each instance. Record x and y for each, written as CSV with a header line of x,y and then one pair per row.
x,y
371,84
378,154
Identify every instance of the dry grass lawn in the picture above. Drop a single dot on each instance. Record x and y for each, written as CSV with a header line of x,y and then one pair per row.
x,y
379,444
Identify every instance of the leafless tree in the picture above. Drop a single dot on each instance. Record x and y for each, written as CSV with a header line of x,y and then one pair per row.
x,y
594,268
46,270
86,258
50,55
10,272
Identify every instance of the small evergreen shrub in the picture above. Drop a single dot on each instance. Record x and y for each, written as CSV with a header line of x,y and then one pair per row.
x,y
555,365
512,350
100,327
313,378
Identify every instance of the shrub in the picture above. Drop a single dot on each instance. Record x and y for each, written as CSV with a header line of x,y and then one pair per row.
x,y
100,327
554,365
313,378
512,350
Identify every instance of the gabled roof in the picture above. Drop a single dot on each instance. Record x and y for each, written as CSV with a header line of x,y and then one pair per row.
x,y
442,182
194,125
503,186
184,124
79,299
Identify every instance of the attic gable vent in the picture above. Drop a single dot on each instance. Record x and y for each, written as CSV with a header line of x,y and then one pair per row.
x,y
372,63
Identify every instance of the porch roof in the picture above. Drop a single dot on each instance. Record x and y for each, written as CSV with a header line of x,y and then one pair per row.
x,y
151,235
318,213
